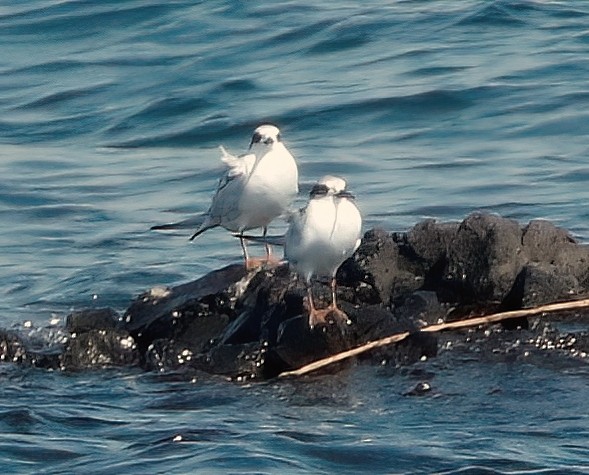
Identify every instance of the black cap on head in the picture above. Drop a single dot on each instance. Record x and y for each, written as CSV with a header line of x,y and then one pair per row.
x,y
266,134
319,189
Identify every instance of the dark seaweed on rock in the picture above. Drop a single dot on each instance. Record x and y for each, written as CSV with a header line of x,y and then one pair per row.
x,y
254,325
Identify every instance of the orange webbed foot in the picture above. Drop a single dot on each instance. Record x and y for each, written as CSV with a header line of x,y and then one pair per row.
x,y
326,316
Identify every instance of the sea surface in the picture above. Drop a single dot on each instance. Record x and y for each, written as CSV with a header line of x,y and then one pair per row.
x,y
111,113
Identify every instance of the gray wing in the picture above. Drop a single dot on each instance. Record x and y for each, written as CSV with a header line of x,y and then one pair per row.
x,y
225,202
224,207
293,235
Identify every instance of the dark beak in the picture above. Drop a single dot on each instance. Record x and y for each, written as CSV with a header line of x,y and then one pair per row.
x,y
255,139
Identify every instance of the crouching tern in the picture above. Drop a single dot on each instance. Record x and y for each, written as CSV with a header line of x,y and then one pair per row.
x,y
321,237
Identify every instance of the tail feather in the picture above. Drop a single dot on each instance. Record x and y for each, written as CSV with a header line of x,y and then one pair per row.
x,y
202,229
161,227
195,221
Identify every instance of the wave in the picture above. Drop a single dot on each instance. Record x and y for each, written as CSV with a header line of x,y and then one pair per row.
x,y
498,13
218,128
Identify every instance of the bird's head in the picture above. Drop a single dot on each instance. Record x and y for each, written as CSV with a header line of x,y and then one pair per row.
x,y
330,185
265,135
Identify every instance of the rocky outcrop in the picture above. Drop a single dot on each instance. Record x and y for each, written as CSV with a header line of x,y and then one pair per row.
x,y
254,325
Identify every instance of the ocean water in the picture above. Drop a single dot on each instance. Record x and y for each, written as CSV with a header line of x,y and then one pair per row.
x,y
111,113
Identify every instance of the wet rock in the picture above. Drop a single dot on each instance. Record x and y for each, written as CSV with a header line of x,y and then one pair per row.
x,y
544,242
380,271
194,311
297,345
239,362
430,241
260,333
12,348
272,297
420,389
541,283
557,267
254,325
22,349
484,258
92,319
422,307
99,349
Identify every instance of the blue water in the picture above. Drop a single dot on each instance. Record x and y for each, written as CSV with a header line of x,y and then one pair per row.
x,y
110,117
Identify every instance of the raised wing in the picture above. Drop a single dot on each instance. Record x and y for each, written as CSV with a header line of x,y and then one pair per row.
x,y
237,166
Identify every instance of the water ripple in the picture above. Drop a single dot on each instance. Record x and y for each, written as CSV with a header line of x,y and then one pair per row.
x,y
497,13
111,113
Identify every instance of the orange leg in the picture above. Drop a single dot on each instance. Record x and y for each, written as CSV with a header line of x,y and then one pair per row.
x,y
340,314
252,263
270,259
317,316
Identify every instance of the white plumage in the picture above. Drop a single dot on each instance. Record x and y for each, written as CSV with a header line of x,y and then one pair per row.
x,y
255,188
322,236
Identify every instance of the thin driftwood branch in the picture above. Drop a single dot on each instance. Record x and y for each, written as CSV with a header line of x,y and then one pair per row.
x,y
471,322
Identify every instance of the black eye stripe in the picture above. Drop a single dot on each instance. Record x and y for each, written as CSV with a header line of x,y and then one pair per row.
x,y
319,190
265,139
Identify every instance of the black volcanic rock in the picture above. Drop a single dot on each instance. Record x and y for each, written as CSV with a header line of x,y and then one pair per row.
x,y
556,267
12,348
254,324
194,307
484,258
383,269
92,319
431,240
259,330
99,348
